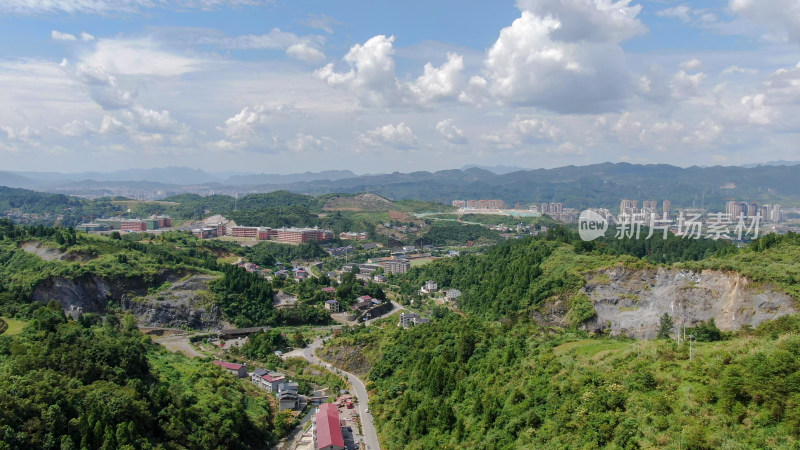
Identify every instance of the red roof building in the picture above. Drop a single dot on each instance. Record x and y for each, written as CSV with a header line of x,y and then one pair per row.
x,y
240,370
329,432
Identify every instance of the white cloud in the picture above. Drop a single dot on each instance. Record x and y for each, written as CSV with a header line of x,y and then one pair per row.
x,y
589,20
250,121
564,56
25,134
692,64
398,136
77,128
682,12
684,85
372,72
102,87
523,131
450,132
86,36
441,82
321,22
779,19
138,57
111,125
736,69
107,7
308,143
306,48
59,36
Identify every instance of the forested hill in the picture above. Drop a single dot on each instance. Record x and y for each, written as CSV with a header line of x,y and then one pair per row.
x,y
78,384
494,376
596,185
99,272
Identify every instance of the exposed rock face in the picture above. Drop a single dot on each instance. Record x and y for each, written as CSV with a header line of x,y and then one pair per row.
x,y
631,302
183,304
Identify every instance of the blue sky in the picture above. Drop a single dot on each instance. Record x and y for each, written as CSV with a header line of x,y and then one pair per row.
x,y
278,86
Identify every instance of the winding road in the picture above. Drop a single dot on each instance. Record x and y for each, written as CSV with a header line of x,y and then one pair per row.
x,y
360,391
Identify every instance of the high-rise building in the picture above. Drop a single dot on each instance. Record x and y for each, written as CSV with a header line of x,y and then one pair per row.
x,y
667,208
735,209
752,209
544,208
628,207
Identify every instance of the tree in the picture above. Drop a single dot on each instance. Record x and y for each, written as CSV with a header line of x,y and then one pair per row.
x,y
664,327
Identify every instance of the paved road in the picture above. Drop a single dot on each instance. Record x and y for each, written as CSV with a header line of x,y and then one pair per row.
x,y
360,391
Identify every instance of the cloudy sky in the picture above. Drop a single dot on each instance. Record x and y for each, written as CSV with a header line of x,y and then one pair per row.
x,y
282,86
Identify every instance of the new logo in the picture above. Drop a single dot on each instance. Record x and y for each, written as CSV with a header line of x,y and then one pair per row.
x,y
591,225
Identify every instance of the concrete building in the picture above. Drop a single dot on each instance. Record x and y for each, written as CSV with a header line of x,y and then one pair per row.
x,y
332,306
452,294
288,396
667,208
397,266
429,287
411,319
244,232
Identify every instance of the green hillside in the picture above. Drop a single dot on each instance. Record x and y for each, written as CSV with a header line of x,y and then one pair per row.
x,y
492,377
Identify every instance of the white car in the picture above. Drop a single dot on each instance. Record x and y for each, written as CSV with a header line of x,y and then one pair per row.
x,y
366,410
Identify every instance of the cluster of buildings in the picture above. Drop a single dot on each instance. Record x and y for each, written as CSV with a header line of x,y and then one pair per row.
x,y
351,235
126,225
479,204
768,213
283,235
287,392
556,211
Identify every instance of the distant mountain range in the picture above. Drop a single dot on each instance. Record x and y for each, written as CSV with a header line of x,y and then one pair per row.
x,y
601,185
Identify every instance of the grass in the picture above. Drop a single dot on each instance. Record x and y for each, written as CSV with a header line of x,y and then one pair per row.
x,y
228,260
14,326
591,347
421,261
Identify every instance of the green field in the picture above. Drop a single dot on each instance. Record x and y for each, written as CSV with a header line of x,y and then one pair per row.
x,y
14,326
421,261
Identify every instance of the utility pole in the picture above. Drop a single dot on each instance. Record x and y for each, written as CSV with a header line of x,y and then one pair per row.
x,y
691,356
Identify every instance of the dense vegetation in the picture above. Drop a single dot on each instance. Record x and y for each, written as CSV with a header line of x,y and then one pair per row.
x,y
244,298
493,378
266,254
70,385
467,383
451,233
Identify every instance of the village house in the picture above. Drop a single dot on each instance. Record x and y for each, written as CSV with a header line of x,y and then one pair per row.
x,y
288,396
452,294
411,319
240,370
429,287
332,306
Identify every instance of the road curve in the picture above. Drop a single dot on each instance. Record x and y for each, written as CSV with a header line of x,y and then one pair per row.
x,y
360,391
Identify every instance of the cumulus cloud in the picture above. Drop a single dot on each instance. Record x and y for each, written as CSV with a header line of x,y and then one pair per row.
x,y
685,85
372,72
692,64
248,124
86,36
25,134
102,87
524,131
736,69
398,136
59,36
450,132
303,142
373,80
564,56
111,125
780,19
441,82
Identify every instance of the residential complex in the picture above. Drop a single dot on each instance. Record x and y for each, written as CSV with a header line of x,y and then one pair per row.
x,y
128,225
397,266
284,235
479,204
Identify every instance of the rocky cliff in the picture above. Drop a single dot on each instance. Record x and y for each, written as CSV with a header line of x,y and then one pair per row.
x,y
183,301
631,302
